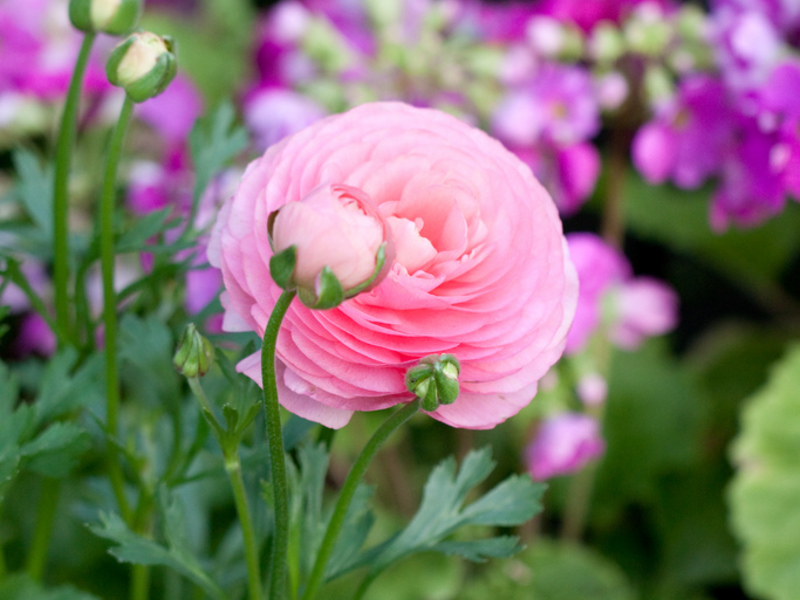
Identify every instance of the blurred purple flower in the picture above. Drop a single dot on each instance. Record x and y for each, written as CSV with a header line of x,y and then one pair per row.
x,y
631,308
585,14
686,141
173,112
592,389
751,187
34,337
565,443
557,105
272,114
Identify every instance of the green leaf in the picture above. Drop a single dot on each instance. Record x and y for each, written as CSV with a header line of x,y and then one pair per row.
x,y
765,493
20,587
551,571
133,548
56,450
136,238
679,219
214,141
281,267
146,346
35,189
63,391
442,510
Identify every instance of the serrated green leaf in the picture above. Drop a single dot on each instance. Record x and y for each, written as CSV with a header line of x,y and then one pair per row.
x,y
146,346
442,511
133,548
9,468
56,450
20,587
62,391
765,493
214,141
35,189
9,391
479,550
135,239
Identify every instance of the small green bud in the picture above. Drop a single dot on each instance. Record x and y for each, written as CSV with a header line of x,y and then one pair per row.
x,y
434,380
606,44
143,65
194,355
115,17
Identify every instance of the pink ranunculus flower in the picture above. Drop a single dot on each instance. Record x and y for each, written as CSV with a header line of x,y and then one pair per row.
x,y
334,226
564,444
480,271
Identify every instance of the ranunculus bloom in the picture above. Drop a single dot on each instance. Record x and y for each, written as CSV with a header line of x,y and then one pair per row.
x,y
565,443
334,226
481,268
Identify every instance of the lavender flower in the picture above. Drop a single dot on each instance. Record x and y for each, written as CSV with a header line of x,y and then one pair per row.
x,y
565,443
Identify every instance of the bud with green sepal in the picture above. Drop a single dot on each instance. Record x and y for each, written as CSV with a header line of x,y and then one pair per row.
x,y
143,65
194,355
329,246
434,380
115,17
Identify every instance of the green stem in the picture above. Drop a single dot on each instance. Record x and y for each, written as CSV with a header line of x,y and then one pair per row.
x,y
280,490
110,300
66,140
233,467
349,489
48,507
140,582
365,583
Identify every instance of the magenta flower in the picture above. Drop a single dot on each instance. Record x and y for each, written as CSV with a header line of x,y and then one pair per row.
x,y
687,140
173,112
480,270
587,13
630,308
564,443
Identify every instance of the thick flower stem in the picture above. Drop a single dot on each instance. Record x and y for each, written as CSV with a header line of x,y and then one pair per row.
x,y
66,140
280,490
110,301
349,489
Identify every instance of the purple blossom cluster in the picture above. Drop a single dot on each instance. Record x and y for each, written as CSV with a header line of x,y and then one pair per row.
x,y
737,122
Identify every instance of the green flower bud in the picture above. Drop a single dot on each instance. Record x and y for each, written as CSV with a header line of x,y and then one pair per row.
x,y
143,65
434,380
194,355
115,17
606,44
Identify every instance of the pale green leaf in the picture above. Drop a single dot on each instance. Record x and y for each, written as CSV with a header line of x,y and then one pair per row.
x,y
20,587
765,493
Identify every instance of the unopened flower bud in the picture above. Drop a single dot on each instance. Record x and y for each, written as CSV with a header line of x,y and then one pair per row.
x,y
606,44
107,16
331,245
434,380
194,355
143,65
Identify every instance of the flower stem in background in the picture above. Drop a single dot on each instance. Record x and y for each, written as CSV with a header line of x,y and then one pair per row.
x,y
349,489
48,506
233,467
110,302
280,490
66,140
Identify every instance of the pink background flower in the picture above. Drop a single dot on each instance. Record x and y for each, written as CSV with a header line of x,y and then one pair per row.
x,y
565,443
481,270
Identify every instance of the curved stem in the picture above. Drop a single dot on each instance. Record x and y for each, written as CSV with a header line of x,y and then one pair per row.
x,y
349,489
280,490
110,300
365,583
233,466
66,140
